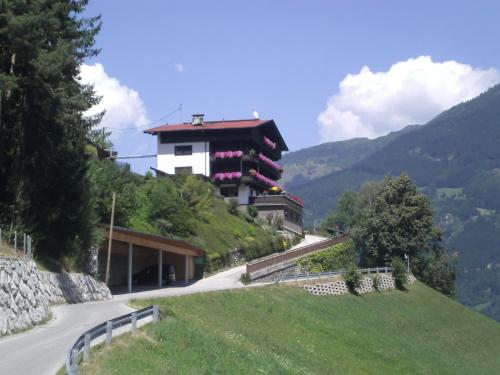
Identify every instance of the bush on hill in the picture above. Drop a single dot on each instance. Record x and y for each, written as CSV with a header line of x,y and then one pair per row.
x,y
181,207
331,259
352,277
399,272
391,218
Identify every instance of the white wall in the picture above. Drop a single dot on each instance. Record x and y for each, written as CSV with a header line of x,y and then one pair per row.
x,y
199,160
243,194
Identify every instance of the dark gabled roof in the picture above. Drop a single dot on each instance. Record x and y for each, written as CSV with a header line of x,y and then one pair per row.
x,y
208,125
218,125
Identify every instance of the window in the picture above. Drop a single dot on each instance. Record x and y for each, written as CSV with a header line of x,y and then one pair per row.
x,y
183,170
229,191
183,150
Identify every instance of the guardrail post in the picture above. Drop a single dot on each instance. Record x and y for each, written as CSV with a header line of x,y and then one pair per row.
x,y
74,362
134,321
109,332
385,269
86,347
307,275
156,314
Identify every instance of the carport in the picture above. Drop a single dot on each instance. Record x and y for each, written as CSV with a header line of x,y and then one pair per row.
x,y
133,251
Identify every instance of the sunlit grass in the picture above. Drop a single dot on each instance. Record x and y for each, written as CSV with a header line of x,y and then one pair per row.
x,y
284,330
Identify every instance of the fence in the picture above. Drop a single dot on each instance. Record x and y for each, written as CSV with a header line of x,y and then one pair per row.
x,y
105,331
324,275
16,243
274,259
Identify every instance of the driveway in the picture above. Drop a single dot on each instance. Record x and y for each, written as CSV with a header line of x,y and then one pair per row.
x,y
43,349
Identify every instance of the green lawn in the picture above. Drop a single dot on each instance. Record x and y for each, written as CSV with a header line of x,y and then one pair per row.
x,y
284,330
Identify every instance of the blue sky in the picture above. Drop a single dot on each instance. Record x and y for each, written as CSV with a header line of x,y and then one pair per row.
x,y
286,59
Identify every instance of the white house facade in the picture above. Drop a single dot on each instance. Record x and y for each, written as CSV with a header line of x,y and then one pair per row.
x,y
189,157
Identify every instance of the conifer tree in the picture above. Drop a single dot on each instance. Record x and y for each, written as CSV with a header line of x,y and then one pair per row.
x,y
44,187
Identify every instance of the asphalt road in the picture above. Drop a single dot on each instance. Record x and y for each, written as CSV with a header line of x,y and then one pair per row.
x,y
42,350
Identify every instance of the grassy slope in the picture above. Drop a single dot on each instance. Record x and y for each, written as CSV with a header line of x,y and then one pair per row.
x,y
230,229
278,330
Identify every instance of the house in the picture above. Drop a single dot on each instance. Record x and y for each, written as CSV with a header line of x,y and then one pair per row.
x,y
238,156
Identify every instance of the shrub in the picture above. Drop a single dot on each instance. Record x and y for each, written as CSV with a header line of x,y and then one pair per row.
x,y
440,273
278,222
296,239
269,219
232,206
331,259
252,211
352,277
377,282
245,278
399,272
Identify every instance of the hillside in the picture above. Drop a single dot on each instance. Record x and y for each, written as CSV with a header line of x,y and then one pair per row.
x,y
455,159
323,159
180,207
274,330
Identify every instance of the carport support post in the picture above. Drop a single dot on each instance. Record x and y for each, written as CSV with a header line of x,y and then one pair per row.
x,y
160,268
129,273
186,269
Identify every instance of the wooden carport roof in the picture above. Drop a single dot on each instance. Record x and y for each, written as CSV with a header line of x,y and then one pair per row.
x,y
153,241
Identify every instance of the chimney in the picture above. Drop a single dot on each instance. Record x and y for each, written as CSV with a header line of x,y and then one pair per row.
x,y
198,119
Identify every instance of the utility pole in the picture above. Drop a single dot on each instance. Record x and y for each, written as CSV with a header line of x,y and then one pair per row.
x,y
108,263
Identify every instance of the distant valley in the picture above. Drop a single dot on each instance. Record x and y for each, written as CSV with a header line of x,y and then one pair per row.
x,y
454,159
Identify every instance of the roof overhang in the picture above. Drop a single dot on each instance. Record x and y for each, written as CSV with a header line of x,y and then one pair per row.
x,y
153,241
210,126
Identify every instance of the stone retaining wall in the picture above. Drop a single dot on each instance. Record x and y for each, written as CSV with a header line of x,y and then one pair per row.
x,y
339,286
26,293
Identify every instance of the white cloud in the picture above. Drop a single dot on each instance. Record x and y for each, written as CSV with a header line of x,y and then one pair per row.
x,y
179,67
371,104
124,107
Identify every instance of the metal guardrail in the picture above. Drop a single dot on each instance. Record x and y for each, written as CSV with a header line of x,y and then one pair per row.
x,y
270,260
319,275
83,343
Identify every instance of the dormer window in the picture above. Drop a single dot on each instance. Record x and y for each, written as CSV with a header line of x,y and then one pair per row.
x,y
183,150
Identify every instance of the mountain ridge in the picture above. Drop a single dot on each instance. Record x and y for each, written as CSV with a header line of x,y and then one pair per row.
x,y
455,160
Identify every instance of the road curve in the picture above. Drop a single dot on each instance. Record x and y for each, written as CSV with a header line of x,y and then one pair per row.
x,y
43,349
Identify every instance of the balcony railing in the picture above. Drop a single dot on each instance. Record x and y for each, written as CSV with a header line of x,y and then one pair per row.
x,y
228,154
222,176
269,162
275,199
265,180
269,143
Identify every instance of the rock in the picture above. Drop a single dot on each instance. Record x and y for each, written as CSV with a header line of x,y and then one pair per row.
x,y
26,293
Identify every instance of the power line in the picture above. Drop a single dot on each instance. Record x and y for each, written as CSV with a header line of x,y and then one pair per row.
x,y
179,108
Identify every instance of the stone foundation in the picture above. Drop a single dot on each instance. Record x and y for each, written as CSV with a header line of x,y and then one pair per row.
x,y
339,286
26,293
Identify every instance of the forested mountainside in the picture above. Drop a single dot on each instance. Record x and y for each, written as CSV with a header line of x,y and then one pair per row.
x,y
323,159
455,159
